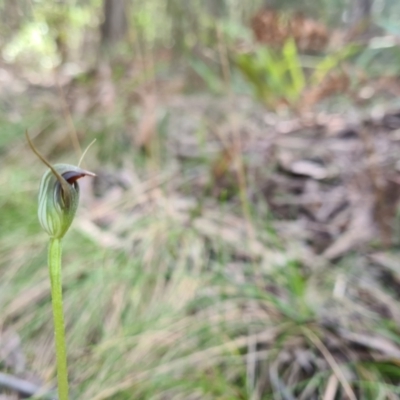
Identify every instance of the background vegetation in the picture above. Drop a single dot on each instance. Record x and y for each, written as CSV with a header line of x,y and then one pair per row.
x,y
241,238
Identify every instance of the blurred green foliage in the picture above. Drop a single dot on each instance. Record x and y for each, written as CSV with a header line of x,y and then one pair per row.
x,y
40,27
276,75
46,34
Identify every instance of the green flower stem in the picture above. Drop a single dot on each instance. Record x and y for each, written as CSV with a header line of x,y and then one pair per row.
x,y
58,201
58,316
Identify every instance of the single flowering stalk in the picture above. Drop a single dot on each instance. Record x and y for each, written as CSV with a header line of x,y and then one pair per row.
x,y
58,202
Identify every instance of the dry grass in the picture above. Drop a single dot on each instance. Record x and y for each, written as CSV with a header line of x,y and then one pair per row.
x,y
169,294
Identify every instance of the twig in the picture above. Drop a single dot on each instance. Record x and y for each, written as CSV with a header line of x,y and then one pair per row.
x,y
378,184
23,387
332,362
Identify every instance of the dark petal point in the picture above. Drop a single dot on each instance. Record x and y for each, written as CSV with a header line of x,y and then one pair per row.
x,y
73,176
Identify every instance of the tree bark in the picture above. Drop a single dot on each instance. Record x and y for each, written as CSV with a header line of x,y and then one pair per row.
x,y
360,17
217,8
361,10
115,24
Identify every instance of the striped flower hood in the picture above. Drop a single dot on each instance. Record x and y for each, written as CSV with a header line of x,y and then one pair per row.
x,y
59,197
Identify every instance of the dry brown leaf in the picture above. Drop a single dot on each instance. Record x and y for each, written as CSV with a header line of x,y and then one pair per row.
x,y
274,28
378,343
331,388
309,168
389,261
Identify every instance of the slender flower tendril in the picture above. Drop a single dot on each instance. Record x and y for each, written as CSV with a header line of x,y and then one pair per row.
x,y
58,202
